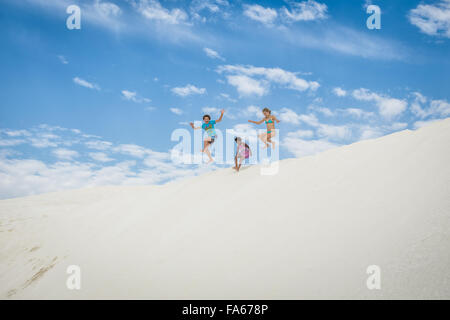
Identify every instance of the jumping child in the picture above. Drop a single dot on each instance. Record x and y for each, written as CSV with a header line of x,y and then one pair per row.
x,y
208,126
270,123
242,152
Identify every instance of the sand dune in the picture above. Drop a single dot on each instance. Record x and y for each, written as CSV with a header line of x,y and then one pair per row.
x,y
310,231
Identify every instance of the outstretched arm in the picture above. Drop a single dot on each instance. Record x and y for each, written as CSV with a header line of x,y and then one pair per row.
x,y
275,118
256,122
221,115
194,127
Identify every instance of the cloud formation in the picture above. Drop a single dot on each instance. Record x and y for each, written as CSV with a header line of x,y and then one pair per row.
x,y
86,84
387,107
212,54
432,19
133,96
250,80
153,10
260,14
79,166
188,90
305,11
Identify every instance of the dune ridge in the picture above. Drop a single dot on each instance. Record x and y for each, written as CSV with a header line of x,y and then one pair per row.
x,y
309,231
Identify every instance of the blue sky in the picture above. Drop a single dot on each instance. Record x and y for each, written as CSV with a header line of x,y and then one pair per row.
x,y
98,105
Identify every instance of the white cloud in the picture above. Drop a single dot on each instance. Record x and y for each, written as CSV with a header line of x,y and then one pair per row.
x,y
323,110
252,111
86,84
302,134
100,156
339,92
368,132
21,176
153,10
330,132
211,111
258,13
416,105
65,154
439,108
247,86
45,139
334,133
133,96
212,54
432,19
339,39
250,80
301,147
358,113
42,143
17,133
227,97
188,90
290,116
63,59
213,7
98,144
29,176
102,13
138,151
177,111
244,131
128,94
387,107
398,126
420,124
107,9
305,11
10,142
131,150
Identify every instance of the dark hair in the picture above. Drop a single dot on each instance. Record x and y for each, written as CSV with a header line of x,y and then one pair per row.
x,y
267,109
236,139
207,116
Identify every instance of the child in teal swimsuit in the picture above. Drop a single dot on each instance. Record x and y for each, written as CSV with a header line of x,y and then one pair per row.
x,y
208,126
270,124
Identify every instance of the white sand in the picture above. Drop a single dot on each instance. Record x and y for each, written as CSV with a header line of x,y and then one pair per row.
x,y
308,232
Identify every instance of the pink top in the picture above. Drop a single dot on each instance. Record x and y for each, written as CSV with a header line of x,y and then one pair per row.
x,y
243,151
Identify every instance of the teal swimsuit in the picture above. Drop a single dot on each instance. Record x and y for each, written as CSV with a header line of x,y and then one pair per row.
x,y
209,128
270,121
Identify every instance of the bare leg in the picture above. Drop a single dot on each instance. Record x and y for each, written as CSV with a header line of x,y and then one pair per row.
x,y
235,163
205,145
206,150
240,163
269,139
263,137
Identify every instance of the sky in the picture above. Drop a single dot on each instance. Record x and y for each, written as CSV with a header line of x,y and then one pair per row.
x,y
98,105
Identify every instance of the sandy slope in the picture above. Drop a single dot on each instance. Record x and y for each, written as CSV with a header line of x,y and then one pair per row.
x,y
308,232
